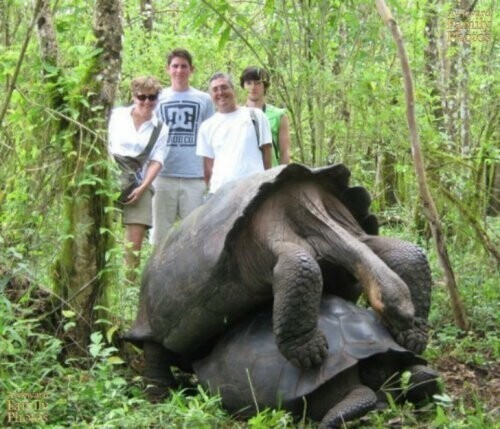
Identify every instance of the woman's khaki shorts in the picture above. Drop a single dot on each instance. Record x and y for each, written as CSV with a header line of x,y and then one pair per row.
x,y
141,212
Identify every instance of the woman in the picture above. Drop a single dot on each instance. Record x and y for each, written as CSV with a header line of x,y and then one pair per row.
x,y
130,130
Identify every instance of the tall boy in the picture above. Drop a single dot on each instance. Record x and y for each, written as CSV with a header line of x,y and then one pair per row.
x,y
179,188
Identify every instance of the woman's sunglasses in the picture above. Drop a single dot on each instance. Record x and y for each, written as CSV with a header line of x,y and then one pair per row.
x,y
143,97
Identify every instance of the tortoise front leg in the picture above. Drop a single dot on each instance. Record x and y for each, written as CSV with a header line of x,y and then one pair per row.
x,y
423,384
297,287
410,263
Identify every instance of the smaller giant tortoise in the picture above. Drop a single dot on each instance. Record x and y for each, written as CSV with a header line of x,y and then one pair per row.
x,y
250,373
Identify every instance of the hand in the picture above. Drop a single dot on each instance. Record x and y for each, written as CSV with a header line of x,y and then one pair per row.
x,y
135,195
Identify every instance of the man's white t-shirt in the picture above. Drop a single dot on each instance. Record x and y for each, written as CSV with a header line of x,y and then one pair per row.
x,y
230,139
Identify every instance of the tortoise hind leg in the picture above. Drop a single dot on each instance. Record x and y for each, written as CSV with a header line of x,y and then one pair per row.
x,y
357,403
340,399
157,373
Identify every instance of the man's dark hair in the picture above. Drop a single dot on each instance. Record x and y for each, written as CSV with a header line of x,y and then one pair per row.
x,y
255,73
181,53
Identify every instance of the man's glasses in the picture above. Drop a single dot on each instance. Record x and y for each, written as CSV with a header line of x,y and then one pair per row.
x,y
143,97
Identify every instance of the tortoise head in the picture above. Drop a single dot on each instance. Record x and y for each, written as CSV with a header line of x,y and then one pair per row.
x,y
388,295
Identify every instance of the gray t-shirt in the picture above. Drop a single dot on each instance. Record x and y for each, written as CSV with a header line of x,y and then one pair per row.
x,y
183,112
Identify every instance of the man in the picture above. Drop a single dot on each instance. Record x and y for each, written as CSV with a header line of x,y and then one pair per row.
x,y
255,81
236,141
179,188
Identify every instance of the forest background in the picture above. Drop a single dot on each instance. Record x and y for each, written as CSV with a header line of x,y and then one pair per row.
x,y
334,66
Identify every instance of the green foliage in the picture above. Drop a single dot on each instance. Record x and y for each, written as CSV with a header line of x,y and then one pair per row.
x,y
481,346
103,395
334,68
269,418
476,417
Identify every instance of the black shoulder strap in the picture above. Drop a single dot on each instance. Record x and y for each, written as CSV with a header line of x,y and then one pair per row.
x,y
149,147
255,124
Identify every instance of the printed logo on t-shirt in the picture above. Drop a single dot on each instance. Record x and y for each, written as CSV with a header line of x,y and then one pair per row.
x,y
181,119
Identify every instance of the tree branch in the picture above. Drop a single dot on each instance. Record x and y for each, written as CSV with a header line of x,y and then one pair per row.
x,y
429,206
12,83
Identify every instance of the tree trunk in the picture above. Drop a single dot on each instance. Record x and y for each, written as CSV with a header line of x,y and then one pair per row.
x,y
386,183
47,34
80,276
494,193
147,11
463,60
432,62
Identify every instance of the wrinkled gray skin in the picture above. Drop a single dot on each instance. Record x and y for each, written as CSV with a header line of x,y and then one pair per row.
x,y
247,370
280,236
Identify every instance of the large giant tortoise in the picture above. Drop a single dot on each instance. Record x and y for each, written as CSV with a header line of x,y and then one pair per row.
x,y
248,371
280,236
